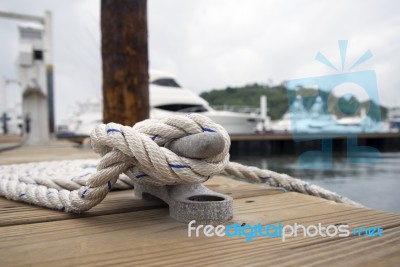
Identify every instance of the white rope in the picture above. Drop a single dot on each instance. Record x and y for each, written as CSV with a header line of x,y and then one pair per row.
x,y
135,155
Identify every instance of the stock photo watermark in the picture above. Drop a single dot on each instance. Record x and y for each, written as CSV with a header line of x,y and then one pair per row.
x,y
278,230
341,105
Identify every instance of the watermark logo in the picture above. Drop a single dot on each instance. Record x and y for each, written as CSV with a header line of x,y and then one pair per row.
x,y
339,105
278,230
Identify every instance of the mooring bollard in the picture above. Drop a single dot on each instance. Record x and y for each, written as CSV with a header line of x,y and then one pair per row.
x,y
193,201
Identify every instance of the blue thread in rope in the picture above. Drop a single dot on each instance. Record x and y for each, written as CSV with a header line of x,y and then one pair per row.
x,y
141,175
154,137
265,177
109,185
62,209
21,195
177,166
84,192
208,130
113,131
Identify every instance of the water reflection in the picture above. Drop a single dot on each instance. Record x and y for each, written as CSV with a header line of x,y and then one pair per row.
x,y
373,185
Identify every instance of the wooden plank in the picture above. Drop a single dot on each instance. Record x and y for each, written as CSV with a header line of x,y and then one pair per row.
x,y
55,150
10,138
151,237
12,212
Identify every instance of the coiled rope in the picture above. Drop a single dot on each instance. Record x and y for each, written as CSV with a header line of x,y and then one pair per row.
x,y
135,155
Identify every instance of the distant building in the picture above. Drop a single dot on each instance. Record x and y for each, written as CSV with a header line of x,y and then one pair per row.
x,y
394,118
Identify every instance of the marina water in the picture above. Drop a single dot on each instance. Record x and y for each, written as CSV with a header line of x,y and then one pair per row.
x,y
373,185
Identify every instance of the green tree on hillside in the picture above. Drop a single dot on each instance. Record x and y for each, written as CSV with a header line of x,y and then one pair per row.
x,y
277,100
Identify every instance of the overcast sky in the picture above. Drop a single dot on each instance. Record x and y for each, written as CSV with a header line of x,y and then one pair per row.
x,y
213,43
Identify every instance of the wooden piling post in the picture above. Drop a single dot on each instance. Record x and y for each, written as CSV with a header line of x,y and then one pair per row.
x,y
125,61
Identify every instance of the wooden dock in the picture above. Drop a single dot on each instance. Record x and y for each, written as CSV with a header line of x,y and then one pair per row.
x,y
289,136
125,231
278,143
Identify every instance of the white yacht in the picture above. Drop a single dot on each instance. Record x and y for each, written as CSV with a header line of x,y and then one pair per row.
x,y
167,97
315,120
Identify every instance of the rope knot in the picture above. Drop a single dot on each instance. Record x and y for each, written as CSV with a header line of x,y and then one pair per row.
x,y
143,149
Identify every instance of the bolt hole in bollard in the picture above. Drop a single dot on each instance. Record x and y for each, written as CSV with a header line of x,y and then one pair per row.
x,y
205,198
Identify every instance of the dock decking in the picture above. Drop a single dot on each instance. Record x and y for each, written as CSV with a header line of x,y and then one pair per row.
x,y
125,231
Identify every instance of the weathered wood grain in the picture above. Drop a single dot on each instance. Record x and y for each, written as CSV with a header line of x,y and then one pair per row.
x,y
55,150
13,213
151,238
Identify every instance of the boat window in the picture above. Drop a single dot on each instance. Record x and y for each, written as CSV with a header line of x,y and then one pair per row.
x,y
166,82
183,108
